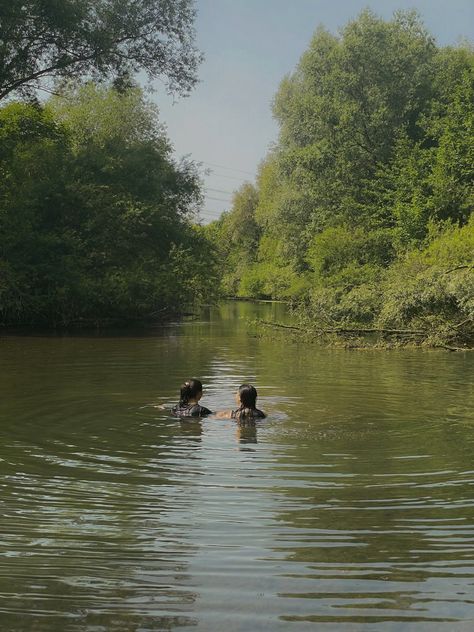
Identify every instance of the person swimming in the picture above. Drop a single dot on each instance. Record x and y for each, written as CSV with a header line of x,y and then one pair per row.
x,y
246,399
190,394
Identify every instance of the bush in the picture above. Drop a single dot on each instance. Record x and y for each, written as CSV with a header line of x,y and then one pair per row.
x,y
339,247
94,218
433,287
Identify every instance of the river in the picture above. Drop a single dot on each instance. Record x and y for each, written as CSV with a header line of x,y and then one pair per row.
x,y
350,508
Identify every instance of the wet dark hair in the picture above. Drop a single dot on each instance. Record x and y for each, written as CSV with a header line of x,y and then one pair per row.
x,y
189,390
248,402
248,396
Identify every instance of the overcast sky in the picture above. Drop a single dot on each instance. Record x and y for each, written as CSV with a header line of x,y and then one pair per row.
x,y
249,45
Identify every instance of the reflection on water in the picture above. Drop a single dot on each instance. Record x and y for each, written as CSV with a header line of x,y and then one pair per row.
x,y
350,507
246,432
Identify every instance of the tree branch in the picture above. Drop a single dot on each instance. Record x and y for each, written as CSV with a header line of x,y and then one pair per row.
x,y
464,267
348,330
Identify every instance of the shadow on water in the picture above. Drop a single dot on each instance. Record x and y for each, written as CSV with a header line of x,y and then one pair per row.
x,y
349,508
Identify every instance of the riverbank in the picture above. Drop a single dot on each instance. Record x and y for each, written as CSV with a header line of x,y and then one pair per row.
x,y
365,338
100,326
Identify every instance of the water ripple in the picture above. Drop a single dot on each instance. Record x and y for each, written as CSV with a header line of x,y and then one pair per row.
x,y
349,509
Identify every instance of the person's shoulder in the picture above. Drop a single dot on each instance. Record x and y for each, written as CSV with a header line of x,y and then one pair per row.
x,y
205,411
200,411
249,413
180,411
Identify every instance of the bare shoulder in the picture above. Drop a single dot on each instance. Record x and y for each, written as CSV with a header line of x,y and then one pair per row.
x,y
223,414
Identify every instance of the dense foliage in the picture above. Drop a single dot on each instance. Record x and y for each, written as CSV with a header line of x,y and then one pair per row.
x,y
95,216
112,39
361,211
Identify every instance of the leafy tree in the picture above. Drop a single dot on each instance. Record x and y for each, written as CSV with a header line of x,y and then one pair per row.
x,y
433,288
36,243
242,228
453,172
370,187
94,215
103,39
343,109
432,178
237,235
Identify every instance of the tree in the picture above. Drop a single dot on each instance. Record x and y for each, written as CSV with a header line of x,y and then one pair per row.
x,y
375,154
432,179
236,236
94,213
453,172
243,230
37,237
341,114
102,39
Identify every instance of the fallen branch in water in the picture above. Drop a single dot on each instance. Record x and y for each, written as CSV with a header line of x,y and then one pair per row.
x,y
450,348
464,267
373,330
346,330
464,322
418,333
280,325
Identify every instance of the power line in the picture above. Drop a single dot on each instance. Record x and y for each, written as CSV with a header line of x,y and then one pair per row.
x,y
208,197
213,213
208,218
249,173
210,210
221,175
218,190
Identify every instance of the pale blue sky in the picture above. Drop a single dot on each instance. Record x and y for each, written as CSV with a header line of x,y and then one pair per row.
x,y
249,45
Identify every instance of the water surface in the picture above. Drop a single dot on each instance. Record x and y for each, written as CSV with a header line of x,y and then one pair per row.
x,y
351,508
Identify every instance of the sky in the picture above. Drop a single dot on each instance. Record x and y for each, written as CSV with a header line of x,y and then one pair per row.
x,y
226,123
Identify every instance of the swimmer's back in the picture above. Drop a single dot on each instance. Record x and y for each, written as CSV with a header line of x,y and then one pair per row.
x,y
191,410
248,413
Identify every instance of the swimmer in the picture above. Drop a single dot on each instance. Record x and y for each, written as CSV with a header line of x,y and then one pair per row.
x,y
190,394
246,399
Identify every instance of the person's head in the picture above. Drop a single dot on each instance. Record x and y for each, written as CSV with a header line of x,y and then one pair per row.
x,y
191,390
246,396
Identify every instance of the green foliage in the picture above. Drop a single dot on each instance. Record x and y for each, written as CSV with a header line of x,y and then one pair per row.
x,y
339,247
236,236
342,111
453,171
364,202
448,244
434,288
94,114
431,289
94,213
104,39
242,229
330,307
264,280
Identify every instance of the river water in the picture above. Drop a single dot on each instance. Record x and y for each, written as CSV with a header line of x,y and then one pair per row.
x,y
351,508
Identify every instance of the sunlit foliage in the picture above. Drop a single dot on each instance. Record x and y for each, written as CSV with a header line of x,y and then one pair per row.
x,y
95,215
44,40
374,166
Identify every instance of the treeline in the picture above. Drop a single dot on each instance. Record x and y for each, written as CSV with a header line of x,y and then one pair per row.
x,y
97,220
96,217
362,212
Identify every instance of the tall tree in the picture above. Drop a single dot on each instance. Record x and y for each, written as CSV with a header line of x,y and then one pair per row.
x,y
363,205
343,109
112,39
94,212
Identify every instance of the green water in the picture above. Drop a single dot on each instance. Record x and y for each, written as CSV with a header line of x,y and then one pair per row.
x,y
351,508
